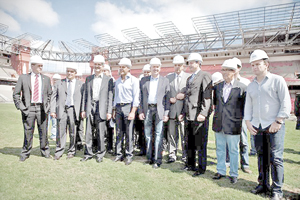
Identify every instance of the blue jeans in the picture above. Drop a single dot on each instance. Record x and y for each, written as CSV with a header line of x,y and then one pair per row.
x,y
152,117
269,147
244,147
233,146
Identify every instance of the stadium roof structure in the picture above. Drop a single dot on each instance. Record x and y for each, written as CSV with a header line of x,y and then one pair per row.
x,y
264,27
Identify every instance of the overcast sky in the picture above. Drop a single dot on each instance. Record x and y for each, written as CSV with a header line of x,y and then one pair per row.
x,y
67,20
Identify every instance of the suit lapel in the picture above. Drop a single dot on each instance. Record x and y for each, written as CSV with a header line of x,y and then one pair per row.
x,y
64,85
103,81
29,81
147,84
234,85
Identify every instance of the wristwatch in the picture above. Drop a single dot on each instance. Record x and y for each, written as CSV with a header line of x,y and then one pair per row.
x,y
278,122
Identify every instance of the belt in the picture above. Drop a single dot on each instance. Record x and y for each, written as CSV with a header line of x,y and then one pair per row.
x,y
152,104
123,104
36,104
67,107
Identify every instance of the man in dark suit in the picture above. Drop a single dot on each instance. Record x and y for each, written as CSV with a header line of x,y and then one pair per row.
x,y
65,106
32,96
177,85
229,101
97,108
196,111
154,109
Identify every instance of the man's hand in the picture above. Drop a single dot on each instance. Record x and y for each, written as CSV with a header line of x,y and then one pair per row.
x,y
114,114
200,118
142,116
83,114
108,116
172,100
131,116
274,128
166,118
180,96
180,118
252,130
53,115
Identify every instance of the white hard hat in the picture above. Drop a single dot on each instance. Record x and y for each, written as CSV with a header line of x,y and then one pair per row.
x,y
99,59
195,57
155,61
146,67
230,64
56,76
125,61
178,59
237,61
36,59
71,67
216,77
106,67
258,55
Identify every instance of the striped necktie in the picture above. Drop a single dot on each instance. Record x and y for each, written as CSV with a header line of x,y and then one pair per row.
x,y
36,89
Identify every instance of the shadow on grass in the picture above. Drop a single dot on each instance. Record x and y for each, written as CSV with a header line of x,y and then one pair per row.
x,y
288,150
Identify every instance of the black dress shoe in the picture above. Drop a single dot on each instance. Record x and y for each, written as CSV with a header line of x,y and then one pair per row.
x,y
188,168
118,159
218,176
260,189
148,162
56,158
233,179
128,161
22,159
171,160
197,173
85,159
155,166
99,160
70,156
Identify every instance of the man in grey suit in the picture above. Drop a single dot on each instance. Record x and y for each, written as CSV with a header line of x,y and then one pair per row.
x,y
97,108
65,106
32,96
177,85
197,108
154,109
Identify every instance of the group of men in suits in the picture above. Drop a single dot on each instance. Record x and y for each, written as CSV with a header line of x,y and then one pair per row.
x,y
184,101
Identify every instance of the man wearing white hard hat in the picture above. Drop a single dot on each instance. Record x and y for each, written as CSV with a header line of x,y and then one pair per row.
x,y
55,78
110,124
32,96
196,111
154,110
97,109
244,147
65,107
139,124
268,104
177,81
229,101
125,105
217,77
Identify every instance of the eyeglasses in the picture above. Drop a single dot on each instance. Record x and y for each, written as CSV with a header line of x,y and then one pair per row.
x,y
227,70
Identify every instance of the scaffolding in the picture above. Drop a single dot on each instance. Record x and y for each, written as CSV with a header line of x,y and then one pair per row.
x,y
268,27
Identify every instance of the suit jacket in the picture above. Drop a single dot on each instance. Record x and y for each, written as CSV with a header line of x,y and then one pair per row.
x,y
105,96
59,96
22,93
162,94
198,96
228,115
176,108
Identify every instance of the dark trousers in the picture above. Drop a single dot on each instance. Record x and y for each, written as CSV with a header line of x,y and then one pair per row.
x,y
139,130
79,134
109,136
269,147
124,126
67,120
36,113
197,141
94,124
